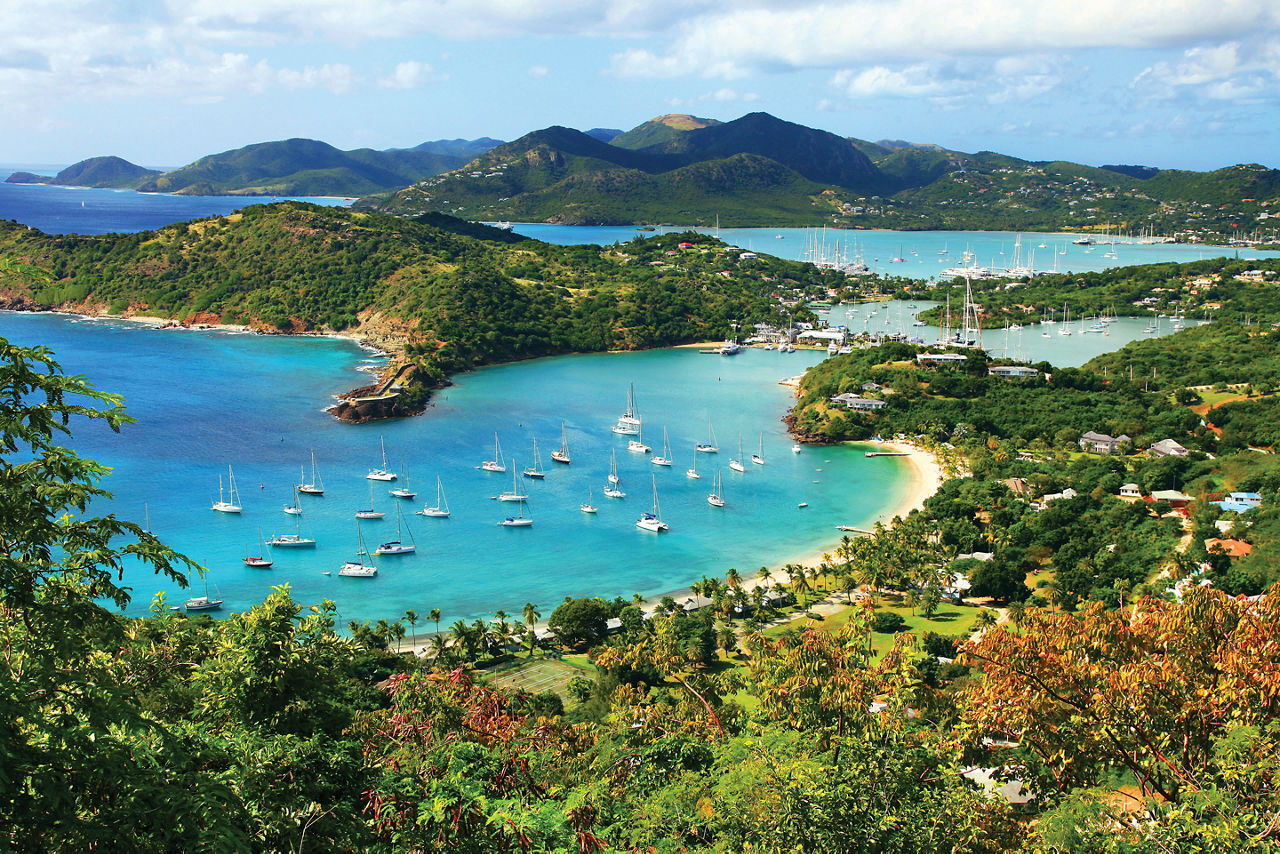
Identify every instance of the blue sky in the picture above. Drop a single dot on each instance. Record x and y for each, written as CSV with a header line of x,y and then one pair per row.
x,y
1176,83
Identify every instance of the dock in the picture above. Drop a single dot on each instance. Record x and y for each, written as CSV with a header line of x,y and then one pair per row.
x,y
888,453
854,530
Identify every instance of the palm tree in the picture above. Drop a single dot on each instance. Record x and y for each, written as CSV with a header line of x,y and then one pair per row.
x,y
439,648
412,616
912,600
531,615
434,614
986,619
734,578
1017,612
462,641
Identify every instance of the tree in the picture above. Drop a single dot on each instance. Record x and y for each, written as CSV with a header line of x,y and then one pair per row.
x,y
580,623
531,616
434,615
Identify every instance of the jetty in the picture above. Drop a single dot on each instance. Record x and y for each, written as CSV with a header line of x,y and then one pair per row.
x,y
888,453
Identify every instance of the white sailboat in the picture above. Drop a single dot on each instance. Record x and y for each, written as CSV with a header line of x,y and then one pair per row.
x,y
1064,329
403,491
629,421
562,455
497,463
665,458
292,541
294,508
637,445
205,602
736,464
315,486
233,504
441,508
514,494
518,521
371,512
716,498
587,506
758,456
259,562
535,471
653,521
358,568
382,473
398,546
612,488
692,471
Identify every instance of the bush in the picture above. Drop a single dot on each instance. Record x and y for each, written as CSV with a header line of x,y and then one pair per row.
x,y
888,622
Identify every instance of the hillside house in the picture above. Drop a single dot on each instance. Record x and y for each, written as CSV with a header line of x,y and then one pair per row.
x,y
939,359
1013,372
1131,490
1101,443
1168,448
1241,502
852,401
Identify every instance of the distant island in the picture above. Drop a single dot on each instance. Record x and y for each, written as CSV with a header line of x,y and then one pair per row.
x,y
757,170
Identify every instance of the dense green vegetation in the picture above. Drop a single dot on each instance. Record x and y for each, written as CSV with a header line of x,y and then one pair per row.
x,y
270,731
449,295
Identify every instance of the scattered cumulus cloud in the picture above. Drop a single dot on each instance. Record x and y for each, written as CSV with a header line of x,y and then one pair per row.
x,y
1232,71
538,71
408,75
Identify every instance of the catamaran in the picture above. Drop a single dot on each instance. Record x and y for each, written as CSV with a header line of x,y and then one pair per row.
x,y
629,421
665,458
232,505
371,512
497,463
758,456
382,473
315,486
397,546
562,455
653,521
535,471
259,562
736,464
403,491
514,494
441,508
709,446
716,498
358,568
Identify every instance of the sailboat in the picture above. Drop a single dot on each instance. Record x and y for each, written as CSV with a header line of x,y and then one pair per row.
x,y
515,494
692,471
232,505
629,421
737,465
587,506
258,562
665,458
653,521
1064,329
535,471
716,498
758,457
382,473
403,491
315,486
497,463
292,541
517,521
562,455
612,489
146,513
203,603
358,568
370,513
637,445
397,546
294,508
441,508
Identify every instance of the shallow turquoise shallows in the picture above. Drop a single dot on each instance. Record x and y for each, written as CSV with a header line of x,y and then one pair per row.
x,y
208,400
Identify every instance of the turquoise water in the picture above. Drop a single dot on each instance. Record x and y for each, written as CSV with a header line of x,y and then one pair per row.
x,y
254,402
206,400
921,251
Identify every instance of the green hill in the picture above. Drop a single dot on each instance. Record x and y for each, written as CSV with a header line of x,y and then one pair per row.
x,y
659,131
94,172
443,294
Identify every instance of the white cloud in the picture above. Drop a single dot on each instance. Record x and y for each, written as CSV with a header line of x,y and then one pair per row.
x,y
408,75
1233,71
879,81
538,71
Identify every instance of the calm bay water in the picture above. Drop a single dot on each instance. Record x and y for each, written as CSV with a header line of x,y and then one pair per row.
x,y
924,254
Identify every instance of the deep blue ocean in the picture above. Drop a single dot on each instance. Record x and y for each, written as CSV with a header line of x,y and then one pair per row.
x,y
206,400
